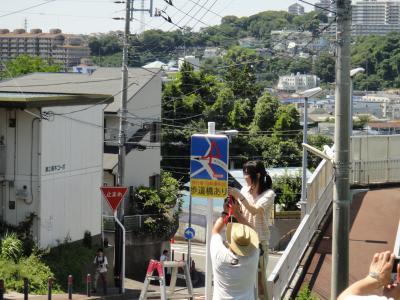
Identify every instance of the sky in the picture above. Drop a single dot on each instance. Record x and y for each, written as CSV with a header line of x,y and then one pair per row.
x,y
94,16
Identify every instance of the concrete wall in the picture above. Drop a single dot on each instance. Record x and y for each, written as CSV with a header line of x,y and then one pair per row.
x,y
139,251
70,195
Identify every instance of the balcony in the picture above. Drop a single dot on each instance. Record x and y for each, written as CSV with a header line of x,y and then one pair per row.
x,y
3,160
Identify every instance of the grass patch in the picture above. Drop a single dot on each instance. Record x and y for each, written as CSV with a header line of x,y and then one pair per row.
x,y
70,259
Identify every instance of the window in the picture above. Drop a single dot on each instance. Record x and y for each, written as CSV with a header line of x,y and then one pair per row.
x,y
155,181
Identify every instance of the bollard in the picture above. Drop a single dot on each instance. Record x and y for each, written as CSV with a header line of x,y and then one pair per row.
x,y
1,289
49,288
26,288
173,255
88,284
183,256
70,287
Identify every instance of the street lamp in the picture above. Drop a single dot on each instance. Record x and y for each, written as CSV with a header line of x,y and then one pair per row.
x,y
353,73
306,94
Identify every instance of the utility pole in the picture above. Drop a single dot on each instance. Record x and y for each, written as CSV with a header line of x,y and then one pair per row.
x,y
341,192
119,271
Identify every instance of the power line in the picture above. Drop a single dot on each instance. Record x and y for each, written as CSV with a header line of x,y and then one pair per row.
x,y
27,8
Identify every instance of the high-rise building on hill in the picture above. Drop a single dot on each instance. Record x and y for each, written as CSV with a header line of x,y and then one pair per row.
x,y
64,48
296,9
375,17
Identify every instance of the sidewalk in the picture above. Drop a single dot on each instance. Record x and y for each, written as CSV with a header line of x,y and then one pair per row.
x,y
132,292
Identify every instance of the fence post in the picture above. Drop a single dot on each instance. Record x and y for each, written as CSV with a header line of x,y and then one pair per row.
x,y
49,288
26,288
1,289
70,287
88,284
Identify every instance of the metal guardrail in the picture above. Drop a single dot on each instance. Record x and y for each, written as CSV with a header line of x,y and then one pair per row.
x,y
131,223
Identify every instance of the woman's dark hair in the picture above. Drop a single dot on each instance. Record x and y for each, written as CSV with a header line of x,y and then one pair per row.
x,y
254,167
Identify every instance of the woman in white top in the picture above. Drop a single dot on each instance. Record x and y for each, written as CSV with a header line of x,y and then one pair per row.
x,y
257,201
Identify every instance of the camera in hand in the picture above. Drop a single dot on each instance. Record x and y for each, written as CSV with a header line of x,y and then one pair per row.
x,y
395,276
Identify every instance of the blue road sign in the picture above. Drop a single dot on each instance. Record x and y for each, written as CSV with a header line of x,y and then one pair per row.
x,y
209,166
189,233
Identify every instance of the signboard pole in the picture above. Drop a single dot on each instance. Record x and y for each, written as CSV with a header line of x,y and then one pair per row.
x,y
190,225
210,209
209,179
123,252
114,195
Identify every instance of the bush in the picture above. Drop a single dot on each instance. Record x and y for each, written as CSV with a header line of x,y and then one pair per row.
x,y
288,191
87,239
11,247
27,267
305,294
69,259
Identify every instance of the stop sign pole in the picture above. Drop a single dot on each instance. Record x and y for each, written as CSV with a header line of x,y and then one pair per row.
x,y
114,196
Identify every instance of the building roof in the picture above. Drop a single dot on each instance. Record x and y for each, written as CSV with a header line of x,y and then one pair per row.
x,y
103,81
374,220
155,65
27,100
384,125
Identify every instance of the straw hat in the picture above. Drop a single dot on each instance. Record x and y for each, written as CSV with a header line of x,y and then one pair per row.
x,y
242,239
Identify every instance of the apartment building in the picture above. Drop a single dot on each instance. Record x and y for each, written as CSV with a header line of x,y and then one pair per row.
x,y
51,155
296,9
297,82
375,17
64,48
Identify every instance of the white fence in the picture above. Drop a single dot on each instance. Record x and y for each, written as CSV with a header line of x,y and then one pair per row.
x,y
375,159
319,197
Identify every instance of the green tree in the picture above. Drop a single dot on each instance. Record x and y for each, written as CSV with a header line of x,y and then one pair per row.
x,y
265,113
287,124
240,73
324,68
25,64
240,116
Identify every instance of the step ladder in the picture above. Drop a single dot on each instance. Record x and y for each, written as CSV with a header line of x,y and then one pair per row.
x,y
155,265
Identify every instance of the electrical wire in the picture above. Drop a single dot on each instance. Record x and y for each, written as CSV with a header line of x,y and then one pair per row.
x,y
27,8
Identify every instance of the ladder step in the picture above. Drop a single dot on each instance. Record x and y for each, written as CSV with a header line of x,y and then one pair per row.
x,y
180,296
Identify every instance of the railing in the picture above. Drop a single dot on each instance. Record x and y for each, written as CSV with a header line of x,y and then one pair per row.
x,y
3,159
319,197
375,159
131,223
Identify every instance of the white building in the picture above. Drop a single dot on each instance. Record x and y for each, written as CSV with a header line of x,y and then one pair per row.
x,y
68,49
192,60
375,17
51,160
142,162
297,82
211,52
296,9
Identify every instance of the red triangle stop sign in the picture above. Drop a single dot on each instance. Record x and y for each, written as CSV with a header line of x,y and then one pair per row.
x,y
114,195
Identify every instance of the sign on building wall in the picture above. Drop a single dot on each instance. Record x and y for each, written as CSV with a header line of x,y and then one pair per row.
x,y
209,166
